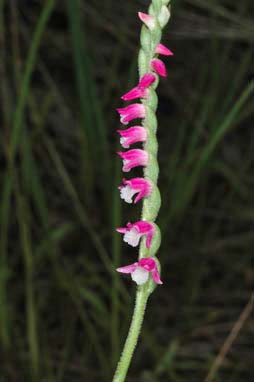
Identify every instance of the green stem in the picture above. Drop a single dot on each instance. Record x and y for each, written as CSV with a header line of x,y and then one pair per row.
x,y
132,338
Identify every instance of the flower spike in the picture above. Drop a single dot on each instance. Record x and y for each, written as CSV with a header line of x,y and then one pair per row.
x,y
130,112
141,90
144,232
140,271
163,50
159,67
132,135
140,186
133,158
134,232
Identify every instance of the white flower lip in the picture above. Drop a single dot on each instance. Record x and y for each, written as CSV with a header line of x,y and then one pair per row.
x,y
132,237
126,193
122,141
140,276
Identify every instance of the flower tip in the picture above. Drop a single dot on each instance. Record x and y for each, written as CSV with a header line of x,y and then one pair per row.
x,y
119,153
163,50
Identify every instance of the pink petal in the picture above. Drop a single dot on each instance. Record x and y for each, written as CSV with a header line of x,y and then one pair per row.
x,y
147,263
149,239
128,268
156,276
159,67
162,49
147,80
143,226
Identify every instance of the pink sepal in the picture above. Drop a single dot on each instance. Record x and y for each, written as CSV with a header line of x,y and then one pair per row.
x,y
134,93
159,67
162,49
148,20
128,268
133,158
122,229
130,112
147,80
132,135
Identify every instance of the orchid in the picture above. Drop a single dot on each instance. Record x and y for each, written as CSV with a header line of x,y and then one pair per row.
x,y
133,158
132,135
133,232
130,112
140,186
140,271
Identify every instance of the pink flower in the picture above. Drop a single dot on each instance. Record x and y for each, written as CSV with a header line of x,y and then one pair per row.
x,y
141,90
159,67
133,158
133,232
132,135
130,112
162,49
148,20
140,271
139,186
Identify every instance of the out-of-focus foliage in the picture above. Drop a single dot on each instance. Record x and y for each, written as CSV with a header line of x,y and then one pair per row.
x,y
64,311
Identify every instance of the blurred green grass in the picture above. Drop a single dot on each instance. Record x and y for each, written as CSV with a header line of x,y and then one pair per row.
x,y
64,310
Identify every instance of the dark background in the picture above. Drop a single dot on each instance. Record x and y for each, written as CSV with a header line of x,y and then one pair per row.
x,y
64,311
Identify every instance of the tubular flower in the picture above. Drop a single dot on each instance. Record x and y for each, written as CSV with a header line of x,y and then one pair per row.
x,y
133,232
132,135
148,20
130,112
159,67
140,186
133,158
140,271
141,90
163,50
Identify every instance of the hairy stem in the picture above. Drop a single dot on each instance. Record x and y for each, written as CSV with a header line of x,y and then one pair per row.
x,y
132,338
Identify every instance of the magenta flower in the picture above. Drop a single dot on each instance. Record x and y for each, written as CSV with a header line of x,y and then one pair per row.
x,y
130,112
132,135
159,67
140,186
140,91
148,20
133,232
162,49
133,158
140,271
